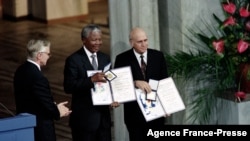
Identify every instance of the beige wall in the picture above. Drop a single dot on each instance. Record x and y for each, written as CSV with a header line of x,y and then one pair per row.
x,y
15,8
46,10
66,8
57,9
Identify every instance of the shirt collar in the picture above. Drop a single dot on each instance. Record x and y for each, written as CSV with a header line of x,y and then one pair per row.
x,y
33,62
88,52
138,56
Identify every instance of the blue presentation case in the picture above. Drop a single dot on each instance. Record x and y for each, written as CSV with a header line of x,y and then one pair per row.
x,y
18,128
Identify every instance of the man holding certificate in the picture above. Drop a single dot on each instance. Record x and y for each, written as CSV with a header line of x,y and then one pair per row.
x,y
87,121
145,64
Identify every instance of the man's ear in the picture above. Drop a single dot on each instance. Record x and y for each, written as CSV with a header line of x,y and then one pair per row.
x,y
83,40
38,56
131,43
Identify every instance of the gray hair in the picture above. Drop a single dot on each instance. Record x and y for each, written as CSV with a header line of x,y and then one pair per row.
x,y
36,45
88,29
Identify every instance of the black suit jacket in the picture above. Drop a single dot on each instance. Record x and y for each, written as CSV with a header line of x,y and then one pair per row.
x,y
156,69
33,95
76,82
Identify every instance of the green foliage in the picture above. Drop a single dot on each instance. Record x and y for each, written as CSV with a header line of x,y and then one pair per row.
x,y
213,62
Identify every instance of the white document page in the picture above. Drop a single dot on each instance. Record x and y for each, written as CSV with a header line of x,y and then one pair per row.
x,y
169,96
151,109
123,85
154,85
107,67
101,94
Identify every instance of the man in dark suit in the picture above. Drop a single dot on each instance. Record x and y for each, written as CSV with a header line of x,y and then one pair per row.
x,y
155,67
87,121
32,91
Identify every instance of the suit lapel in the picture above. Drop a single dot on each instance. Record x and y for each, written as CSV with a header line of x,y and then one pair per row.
x,y
87,64
85,60
100,61
136,68
134,62
150,61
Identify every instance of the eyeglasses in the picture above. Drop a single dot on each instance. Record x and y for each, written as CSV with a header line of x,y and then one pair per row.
x,y
46,53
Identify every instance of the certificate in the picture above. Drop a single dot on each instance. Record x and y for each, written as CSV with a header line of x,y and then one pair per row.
x,y
123,89
164,100
169,96
101,93
151,109
118,88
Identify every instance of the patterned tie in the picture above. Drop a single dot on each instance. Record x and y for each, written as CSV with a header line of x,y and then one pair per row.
x,y
94,64
143,67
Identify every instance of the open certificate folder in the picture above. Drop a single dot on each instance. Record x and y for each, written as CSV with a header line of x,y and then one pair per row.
x,y
166,102
101,94
151,109
119,87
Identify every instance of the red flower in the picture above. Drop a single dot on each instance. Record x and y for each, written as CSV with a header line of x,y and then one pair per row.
x,y
240,95
229,21
229,7
242,46
218,46
244,12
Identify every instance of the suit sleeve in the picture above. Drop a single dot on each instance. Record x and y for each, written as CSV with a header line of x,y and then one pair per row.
x,y
42,92
75,77
118,62
164,70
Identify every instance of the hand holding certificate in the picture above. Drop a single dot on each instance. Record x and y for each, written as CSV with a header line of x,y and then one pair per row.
x,y
119,86
151,109
101,92
163,100
154,85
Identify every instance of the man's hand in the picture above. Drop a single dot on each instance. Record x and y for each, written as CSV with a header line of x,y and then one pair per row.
x,y
114,104
98,77
64,111
143,85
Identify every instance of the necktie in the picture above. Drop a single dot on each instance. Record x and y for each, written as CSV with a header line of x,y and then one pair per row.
x,y
94,64
143,67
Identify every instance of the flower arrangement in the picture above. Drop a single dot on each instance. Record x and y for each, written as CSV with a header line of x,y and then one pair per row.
x,y
234,43
217,62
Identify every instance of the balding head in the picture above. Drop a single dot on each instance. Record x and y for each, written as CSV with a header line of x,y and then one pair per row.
x,y
135,32
138,40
